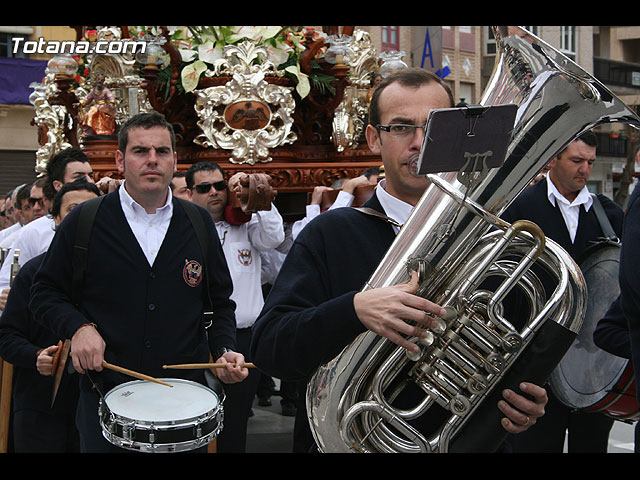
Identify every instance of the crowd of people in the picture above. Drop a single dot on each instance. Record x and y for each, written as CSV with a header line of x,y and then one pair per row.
x,y
138,234
165,250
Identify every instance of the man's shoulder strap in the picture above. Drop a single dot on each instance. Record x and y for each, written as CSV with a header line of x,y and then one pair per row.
x,y
605,224
203,239
88,211
198,225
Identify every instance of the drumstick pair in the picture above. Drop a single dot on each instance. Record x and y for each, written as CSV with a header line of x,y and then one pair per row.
x,y
142,376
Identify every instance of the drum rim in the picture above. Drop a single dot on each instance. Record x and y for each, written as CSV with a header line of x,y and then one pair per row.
x,y
113,424
103,409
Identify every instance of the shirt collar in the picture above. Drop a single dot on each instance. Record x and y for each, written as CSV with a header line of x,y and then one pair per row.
x,y
130,206
393,207
583,198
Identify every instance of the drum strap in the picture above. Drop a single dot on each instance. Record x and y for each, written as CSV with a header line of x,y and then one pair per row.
x,y
605,224
81,247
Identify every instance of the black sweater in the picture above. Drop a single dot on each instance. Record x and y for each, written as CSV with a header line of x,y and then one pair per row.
x,y
308,317
148,315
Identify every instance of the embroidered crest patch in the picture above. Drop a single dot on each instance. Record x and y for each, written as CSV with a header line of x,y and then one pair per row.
x,y
244,257
192,272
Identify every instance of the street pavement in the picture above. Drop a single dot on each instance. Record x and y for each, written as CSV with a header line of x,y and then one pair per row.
x,y
268,431
271,432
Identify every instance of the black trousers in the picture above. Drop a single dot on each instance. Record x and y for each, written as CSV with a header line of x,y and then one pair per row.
x,y
588,432
88,421
238,402
42,432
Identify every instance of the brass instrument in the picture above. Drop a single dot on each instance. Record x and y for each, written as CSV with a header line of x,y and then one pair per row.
x,y
374,396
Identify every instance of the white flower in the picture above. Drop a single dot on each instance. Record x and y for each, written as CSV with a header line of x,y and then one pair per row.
x,y
209,52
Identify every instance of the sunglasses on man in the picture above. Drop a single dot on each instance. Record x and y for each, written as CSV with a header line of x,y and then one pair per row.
x,y
39,201
205,187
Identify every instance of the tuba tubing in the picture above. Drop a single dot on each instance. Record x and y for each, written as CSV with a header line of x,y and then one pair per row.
x,y
456,240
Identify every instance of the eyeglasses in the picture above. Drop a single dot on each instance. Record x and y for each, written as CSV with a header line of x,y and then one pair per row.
x,y
401,130
39,201
206,186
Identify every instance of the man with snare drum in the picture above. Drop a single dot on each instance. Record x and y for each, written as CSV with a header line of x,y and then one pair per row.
x,y
145,285
563,208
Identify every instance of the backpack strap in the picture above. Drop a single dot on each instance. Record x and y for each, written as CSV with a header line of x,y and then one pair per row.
x,y
88,211
201,234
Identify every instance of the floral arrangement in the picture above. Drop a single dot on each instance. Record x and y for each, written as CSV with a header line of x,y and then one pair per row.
x,y
201,46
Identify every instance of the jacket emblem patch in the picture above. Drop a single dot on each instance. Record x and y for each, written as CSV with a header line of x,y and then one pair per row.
x,y
192,272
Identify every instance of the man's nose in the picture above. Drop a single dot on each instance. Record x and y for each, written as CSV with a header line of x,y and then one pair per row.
x,y
418,138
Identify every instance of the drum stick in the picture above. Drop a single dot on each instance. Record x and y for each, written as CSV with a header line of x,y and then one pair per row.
x,y
141,376
131,373
187,366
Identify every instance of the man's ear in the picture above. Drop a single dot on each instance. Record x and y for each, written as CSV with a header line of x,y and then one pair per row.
x,y
373,139
119,158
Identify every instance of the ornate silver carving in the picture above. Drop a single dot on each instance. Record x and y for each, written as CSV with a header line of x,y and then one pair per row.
x,y
248,115
50,120
350,116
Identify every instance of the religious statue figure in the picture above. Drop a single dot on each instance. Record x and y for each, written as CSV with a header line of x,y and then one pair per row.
x,y
100,118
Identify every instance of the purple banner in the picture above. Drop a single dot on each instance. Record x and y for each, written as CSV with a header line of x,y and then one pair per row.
x,y
16,74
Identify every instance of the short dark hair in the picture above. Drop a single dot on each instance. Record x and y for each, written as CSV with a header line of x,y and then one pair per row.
x,y
57,166
79,184
588,137
371,171
40,182
24,192
199,167
144,120
408,77
180,174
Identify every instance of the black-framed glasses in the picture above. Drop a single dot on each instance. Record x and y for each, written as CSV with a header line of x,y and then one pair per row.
x,y
205,187
401,129
39,201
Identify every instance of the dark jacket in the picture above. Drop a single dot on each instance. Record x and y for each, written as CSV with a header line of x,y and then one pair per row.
x,y
630,277
21,338
533,204
309,316
148,315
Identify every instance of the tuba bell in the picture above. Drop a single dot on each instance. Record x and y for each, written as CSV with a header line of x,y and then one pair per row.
x,y
375,396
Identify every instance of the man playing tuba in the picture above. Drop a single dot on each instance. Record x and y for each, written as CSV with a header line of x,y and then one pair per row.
x,y
315,307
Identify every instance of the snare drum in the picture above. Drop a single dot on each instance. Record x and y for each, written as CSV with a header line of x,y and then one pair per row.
x,y
588,379
149,417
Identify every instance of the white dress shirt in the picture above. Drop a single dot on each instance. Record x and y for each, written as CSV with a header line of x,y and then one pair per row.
x,y
32,240
5,232
148,228
344,199
570,210
393,207
242,245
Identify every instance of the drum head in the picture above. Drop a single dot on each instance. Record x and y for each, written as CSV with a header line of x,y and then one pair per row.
x,y
151,402
587,373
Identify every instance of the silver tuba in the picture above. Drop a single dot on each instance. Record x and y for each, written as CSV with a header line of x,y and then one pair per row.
x,y
374,396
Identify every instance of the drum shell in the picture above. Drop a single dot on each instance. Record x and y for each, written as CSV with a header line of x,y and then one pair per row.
x,y
589,379
161,435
